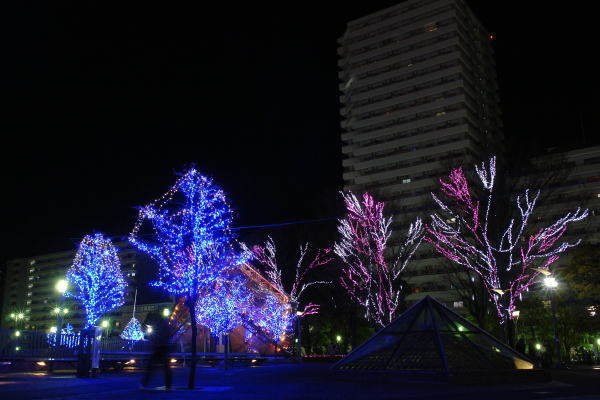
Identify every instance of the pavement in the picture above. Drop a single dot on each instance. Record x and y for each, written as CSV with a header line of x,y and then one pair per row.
x,y
288,381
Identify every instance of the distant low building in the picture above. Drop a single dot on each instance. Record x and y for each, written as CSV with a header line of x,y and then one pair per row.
x,y
31,301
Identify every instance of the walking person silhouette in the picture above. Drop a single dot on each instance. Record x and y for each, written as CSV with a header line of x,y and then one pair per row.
x,y
160,350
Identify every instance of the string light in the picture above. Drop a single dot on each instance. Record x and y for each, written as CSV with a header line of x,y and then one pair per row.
x,y
222,308
506,263
266,257
194,243
369,279
133,330
97,277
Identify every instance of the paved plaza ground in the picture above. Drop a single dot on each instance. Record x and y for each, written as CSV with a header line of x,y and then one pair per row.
x,y
289,381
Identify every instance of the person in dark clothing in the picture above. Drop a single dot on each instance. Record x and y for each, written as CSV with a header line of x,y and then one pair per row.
x,y
160,345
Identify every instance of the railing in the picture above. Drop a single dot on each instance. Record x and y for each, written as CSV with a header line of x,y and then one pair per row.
x,y
15,344
31,345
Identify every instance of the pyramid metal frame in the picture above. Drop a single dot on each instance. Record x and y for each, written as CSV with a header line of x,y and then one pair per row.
x,y
460,345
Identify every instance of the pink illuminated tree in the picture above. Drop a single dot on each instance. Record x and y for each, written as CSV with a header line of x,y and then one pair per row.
x,y
367,275
504,254
266,257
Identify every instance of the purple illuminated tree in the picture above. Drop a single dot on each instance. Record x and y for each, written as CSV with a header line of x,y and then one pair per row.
x,y
266,257
367,275
503,254
192,242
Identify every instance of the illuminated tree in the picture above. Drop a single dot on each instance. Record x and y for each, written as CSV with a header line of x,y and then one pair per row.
x,y
369,278
97,278
507,261
266,257
193,243
223,306
133,330
274,317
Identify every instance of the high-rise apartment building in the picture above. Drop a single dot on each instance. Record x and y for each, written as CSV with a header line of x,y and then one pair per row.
x,y
419,96
31,301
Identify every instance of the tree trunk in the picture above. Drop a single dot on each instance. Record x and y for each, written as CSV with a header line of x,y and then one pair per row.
x,y
509,332
192,376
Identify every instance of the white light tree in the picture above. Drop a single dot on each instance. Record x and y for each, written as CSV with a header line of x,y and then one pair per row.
x,y
506,257
368,276
266,257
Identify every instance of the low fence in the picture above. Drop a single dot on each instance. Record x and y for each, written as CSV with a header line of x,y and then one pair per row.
x,y
39,346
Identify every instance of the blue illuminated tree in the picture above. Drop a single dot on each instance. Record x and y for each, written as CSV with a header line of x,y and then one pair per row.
x,y
193,243
274,317
223,306
97,278
133,330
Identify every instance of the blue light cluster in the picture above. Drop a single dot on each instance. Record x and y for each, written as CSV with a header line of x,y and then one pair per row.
x,y
97,278
133,330
194,242
273,316
223,307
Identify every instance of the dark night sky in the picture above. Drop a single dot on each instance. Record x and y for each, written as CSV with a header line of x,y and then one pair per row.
x,y
104,101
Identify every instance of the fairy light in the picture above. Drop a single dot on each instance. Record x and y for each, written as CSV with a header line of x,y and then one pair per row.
x,y
194,242
508,264
97,277
133,330
266,257
223,308
367,276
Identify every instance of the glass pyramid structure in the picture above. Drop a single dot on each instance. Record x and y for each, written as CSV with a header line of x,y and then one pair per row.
x,y
431,338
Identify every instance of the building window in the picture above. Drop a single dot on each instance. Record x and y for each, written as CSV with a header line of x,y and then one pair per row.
x,y
406,180
458,304
29,294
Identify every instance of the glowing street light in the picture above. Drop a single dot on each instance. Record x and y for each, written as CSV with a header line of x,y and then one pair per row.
x,y
105,324
338,338
148,329
52,329
166,312
61,286
20,315
550,282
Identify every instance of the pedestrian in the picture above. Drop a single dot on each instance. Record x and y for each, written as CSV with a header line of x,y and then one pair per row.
x,y
159,337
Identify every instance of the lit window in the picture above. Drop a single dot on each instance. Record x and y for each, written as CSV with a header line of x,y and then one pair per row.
x,y
28,302
29,294
31,278
458,304
31,270
439,114
406,180
30,286
32,262
133,274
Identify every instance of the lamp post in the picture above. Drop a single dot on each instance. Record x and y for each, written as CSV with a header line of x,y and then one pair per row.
x,y
298,336
552,284
61,287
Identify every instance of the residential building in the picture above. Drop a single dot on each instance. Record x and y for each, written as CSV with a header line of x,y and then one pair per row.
x,y
419,96
29,289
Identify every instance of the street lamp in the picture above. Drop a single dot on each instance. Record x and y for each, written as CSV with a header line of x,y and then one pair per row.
x,y
61,287
551,283
166,312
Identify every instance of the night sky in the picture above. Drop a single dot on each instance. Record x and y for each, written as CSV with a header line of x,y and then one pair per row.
x,y
105,101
